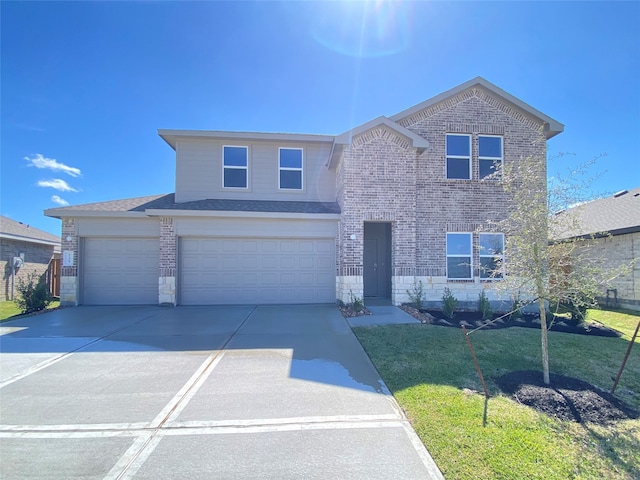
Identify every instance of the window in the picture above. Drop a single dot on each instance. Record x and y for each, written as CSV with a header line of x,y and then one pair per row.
x,y
290,168
459,256
491,255
459,156
489,155
235,166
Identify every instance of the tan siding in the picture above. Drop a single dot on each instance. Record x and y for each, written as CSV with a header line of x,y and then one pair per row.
x,y
256,227
199,172
113,227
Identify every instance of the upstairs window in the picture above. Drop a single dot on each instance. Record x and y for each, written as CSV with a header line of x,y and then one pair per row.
x,y
489,156
459,266
459,156
290,169
491,255
235,166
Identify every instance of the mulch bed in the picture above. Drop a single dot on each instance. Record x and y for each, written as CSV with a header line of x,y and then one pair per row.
x,y
565,398
348,311
473,320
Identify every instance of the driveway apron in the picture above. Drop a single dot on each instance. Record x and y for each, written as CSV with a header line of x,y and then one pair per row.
x,y
272,392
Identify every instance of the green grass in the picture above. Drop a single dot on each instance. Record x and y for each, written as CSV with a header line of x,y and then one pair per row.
x,y
8,310
431,374
624,321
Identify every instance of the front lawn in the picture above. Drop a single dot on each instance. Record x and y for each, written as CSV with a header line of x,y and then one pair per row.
x,y
430,372
9,309
624,321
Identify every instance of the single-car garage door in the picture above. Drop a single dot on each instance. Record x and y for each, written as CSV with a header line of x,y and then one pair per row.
x,y
120,271
216,271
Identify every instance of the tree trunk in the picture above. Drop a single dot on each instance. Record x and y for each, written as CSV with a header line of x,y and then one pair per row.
x,y
545,347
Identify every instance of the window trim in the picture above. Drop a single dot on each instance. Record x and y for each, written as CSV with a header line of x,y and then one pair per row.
x,y
235,167
481,256
493,159
291,169
470,256
459,157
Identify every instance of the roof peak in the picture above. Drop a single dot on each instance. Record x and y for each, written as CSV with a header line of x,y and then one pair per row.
x,y
553,127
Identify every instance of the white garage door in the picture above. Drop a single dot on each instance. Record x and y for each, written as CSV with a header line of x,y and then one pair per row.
x,y
120,271
216,271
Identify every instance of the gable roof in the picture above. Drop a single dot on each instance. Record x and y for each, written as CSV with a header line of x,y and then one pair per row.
x,y
552,127
156,204
416,140
616,214
346,138
15,230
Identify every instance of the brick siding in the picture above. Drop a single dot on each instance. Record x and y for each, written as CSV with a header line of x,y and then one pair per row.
x,y
167,277
36,260
619,251
383,178
69,274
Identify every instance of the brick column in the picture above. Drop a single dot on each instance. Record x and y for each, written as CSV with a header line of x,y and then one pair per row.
x,y
167,274
69,274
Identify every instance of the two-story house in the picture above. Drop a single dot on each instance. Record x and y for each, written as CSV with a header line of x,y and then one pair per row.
x,y
261,218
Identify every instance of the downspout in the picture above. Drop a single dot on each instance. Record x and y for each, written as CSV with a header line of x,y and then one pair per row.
x,y
13,273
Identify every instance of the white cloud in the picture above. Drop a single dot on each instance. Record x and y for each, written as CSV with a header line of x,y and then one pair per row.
x,y
59,201
58,184
40,161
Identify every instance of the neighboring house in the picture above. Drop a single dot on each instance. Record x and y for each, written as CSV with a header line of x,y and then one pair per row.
x,y
35,249
611,229
294,218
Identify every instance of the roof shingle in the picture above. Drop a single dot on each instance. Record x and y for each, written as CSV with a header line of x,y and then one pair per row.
x,y
616,214
13,228
167,202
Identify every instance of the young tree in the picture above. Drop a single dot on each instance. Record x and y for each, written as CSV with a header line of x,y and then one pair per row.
x,y
560,270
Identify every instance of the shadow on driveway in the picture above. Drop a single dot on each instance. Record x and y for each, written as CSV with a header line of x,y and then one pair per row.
x,y
322,345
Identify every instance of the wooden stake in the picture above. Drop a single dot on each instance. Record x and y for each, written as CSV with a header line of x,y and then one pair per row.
x,y
475,361
626,356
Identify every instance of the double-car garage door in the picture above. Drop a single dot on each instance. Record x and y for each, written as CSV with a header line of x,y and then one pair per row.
x,y
212,270
245,270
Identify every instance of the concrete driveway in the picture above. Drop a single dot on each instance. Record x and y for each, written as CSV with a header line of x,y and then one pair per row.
x,y
198,392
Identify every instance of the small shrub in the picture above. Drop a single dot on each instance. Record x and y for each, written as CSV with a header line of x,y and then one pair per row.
x,y
416,294
577,307
33,295
356,303
516,307
484,306
449,303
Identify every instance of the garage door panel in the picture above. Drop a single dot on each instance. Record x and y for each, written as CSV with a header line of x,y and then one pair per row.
x,y
269,246
120,271
288,262
256,270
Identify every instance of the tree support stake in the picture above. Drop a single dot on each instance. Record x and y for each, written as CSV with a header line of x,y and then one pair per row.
x,y
626,357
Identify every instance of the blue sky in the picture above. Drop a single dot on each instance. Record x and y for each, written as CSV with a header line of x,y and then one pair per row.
x,y
86,85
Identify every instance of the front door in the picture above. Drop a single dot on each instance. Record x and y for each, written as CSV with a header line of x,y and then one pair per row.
x,y
377,259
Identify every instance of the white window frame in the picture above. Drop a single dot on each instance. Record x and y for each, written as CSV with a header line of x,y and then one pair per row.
x,y
459,157
499,159
291,169
470,256
493,256
235,167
